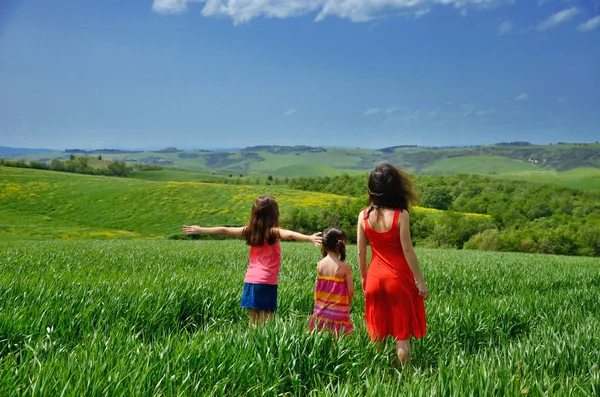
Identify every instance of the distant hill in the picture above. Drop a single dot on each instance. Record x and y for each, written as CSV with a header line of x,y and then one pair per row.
x,y
521,160
12,151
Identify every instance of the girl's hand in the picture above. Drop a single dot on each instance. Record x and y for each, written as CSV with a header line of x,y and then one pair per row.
x,y
191,229
316,239
364,284
423,291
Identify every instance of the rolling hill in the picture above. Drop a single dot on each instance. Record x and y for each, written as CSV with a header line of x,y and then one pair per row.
x,y
48,204
573,165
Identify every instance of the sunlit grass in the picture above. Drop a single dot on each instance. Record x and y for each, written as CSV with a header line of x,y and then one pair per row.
x,y
163,318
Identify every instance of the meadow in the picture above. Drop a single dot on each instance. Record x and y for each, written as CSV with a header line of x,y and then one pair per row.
x,y
148,317
48,204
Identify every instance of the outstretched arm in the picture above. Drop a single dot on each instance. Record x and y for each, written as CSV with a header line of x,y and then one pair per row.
x,y
316,238
361,246
226,231
409,253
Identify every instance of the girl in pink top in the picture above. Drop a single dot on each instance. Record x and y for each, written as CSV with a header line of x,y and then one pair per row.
x,y
262,233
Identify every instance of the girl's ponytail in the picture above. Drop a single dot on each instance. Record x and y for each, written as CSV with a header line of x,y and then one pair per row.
x,y
334,240
342,249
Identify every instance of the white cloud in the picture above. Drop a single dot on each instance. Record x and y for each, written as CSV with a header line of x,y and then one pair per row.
x,y
590,25
470,110
355,10
505,27
289,112
389,110
558,18
563,98
372,111
522,97
422,12
169,6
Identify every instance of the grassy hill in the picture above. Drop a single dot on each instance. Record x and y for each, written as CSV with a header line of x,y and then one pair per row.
x,y
585,178
50,204
53,204
480,165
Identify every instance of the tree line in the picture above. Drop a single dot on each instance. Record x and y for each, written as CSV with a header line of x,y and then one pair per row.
x,y
75,164
522,216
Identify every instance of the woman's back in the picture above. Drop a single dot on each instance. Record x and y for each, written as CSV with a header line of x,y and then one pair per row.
x,y
383,232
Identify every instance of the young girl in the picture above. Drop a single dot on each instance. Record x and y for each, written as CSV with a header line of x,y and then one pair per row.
x,y
334,289
393,301
262,233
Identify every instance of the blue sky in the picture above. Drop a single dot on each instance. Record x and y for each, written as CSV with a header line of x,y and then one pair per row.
x,y
352,73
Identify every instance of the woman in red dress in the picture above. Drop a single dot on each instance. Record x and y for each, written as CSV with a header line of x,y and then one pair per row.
x,y
394,286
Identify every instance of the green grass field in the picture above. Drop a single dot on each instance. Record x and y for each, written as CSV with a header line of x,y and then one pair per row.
x,y
42,204
163,318
479,165
502,167
49,204
579,178
174,175
308,170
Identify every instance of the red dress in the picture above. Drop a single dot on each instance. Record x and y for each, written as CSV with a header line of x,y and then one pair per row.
x,y
392,302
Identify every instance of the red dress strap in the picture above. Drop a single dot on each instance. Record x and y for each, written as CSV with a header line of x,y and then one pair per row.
x,y
396,216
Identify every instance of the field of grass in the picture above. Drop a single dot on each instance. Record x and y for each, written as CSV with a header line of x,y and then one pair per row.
x,y
172,174
38,203
50,204
163,318
585,178
479,165
308,170
168,174
579,178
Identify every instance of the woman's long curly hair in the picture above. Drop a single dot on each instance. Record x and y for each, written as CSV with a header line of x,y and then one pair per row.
x,y
390,187
263,222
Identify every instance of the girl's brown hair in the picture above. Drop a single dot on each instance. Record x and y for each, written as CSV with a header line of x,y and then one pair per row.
x,y
390,187
263,222
334,240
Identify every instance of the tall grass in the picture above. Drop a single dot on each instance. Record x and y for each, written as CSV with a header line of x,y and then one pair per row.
x,y
163,318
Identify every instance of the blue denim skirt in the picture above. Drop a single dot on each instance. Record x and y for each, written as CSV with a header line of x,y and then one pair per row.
x,y
259,297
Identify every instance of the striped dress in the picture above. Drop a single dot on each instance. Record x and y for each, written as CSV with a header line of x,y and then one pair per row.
x,y
332,306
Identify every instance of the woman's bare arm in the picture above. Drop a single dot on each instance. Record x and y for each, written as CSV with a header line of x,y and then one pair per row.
x,y
361,246
409,253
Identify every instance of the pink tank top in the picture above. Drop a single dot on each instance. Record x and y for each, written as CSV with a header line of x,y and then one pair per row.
x,y
264,264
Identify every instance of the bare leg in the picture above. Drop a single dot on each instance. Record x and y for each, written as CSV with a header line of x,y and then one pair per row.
x,y
253,316
403,351
264,316
257,318
268,316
